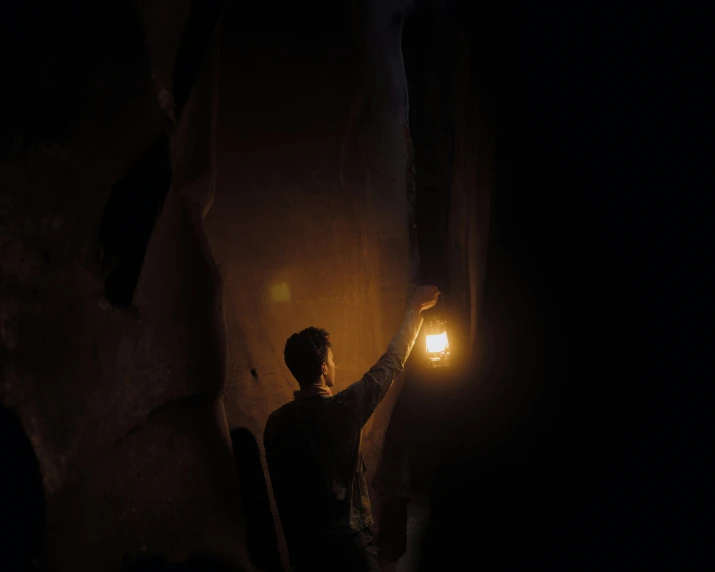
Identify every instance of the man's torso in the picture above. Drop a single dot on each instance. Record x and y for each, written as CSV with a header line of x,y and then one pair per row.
x,y
316,467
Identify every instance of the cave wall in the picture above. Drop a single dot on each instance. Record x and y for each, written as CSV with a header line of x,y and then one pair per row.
x,y
451,57
310,220
121,402
140,324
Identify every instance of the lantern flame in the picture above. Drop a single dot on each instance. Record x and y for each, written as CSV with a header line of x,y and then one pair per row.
x,y
437,343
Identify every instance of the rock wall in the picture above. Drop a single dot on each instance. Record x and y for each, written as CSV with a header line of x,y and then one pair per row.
x,y
204,196
113,339
310,221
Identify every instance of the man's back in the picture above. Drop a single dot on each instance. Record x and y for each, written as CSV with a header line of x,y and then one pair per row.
x,y
313,453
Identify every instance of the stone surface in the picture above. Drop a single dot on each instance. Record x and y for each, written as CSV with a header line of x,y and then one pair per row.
x,y
310,221
122,405
294,212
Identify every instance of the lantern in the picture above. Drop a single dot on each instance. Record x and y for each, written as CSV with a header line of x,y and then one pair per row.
x,y
437,343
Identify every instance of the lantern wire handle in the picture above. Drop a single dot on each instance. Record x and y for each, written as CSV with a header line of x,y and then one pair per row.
x,y
444,305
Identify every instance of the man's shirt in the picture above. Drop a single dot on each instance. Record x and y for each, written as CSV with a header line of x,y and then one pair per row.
x,y
313,447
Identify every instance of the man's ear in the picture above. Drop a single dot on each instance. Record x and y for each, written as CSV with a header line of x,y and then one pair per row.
x,y
325,368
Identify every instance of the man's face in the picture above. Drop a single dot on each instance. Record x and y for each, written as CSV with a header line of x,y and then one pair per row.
x,y
329,369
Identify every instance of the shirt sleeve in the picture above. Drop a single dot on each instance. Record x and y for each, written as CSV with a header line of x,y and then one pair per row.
x,y
363,396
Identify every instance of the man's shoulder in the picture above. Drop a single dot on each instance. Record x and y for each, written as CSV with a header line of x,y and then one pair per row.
x,y
288,415
283,418
277,417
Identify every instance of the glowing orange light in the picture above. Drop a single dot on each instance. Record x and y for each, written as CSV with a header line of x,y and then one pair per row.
x,y
437,343
280,292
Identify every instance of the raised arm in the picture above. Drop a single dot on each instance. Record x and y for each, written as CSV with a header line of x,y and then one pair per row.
x,y
363,396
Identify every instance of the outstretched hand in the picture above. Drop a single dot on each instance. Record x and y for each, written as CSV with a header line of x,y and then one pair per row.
x,y
425,298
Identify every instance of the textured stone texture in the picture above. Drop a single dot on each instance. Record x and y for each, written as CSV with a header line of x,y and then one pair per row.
x,y
123,406
304,185
310,221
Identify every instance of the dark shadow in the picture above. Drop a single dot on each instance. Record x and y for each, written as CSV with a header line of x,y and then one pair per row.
x,y
429,49
130,215
392,486
521,486
136,200
260,528
195,563
194,41
22,498
51,52
392,540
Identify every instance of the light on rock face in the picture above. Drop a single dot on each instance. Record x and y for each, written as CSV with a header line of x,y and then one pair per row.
x,y
280,292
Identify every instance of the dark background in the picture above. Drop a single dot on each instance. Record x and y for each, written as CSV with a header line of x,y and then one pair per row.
x,y
594,112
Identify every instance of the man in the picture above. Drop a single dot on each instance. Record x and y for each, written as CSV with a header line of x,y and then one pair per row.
x,y
313,449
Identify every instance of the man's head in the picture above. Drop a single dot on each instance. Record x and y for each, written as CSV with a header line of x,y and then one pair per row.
x,y
309,357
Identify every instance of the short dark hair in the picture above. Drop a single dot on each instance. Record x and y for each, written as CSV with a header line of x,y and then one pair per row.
x,y
305,353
